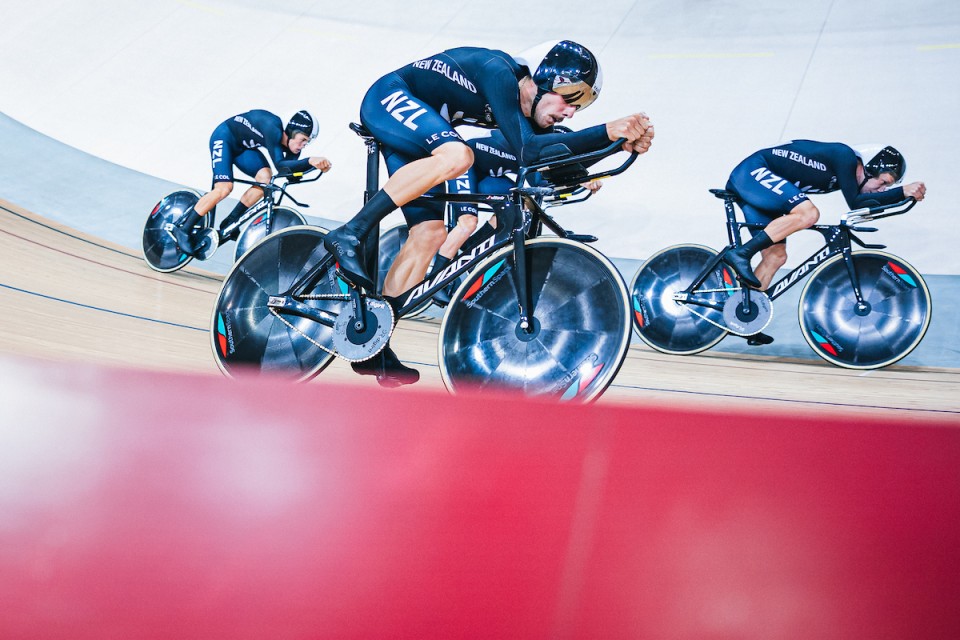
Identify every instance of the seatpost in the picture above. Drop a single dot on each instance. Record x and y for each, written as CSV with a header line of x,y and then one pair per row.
x,y
371,244
733,231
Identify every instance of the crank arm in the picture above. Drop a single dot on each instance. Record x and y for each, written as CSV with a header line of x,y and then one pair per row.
x,y
290,306
691,299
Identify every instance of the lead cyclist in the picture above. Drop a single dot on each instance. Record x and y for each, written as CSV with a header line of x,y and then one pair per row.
x,y
413,112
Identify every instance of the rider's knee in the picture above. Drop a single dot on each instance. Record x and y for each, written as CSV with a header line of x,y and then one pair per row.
x,y
467,224
456,158
807,213
263,175
428,235
775,256
221,190
217,194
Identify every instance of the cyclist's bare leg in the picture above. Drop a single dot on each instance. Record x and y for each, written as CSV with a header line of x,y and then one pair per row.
x,y
411,181
253,195
249,198
802,216
213,197
407,183
772,258
413,259
466,225
410,266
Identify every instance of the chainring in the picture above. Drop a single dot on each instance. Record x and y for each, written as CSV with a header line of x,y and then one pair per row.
x,y
747,322
213,242
354,346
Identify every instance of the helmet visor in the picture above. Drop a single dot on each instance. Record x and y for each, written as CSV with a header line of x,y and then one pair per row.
x,y
579,94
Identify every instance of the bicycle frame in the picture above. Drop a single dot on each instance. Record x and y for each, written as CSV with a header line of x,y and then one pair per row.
x,y
838,239
273,195
520,210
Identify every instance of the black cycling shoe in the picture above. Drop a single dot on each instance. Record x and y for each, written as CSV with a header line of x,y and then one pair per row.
x,y
758,339
190,241
196,243
184,238
390,372
740,263
345,247
227,237
187,234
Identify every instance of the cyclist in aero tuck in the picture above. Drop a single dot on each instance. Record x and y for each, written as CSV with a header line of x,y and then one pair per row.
x,y
772,185
236,142
493,171
412,112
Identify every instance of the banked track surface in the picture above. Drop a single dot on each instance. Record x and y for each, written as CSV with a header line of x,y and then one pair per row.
x,y
67,296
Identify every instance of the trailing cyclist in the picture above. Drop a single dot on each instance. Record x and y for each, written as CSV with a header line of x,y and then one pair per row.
x,y
413,112
237,142
773,184
494,170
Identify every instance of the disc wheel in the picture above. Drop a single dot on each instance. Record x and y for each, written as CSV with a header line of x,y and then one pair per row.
x,y
260,227
670,326
890,324
160,250
580,325
247,336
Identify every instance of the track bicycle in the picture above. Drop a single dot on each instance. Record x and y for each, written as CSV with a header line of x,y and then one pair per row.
x,y
393,239
548,315
861,309
161,250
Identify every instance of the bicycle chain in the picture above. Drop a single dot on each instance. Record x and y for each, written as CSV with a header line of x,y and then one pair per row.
x,y
690,308
321,296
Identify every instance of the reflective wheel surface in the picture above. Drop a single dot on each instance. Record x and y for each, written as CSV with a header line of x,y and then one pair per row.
x,y
578,335
260,227
160,250
247,336
889,325
670,326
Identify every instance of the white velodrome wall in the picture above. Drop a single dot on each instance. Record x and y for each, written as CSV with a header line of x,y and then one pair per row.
x,y
142,84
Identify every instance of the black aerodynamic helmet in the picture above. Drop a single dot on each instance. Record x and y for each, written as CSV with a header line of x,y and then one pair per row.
x,y
302,122
565,68
877,160
888,160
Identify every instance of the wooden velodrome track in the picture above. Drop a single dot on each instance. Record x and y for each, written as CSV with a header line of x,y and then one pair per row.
x,y
67,296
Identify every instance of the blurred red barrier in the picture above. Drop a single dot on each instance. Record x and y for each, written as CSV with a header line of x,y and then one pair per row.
x,y
136,505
